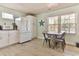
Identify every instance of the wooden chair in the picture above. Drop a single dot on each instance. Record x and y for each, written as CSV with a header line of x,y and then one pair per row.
x,y
46,39
60,39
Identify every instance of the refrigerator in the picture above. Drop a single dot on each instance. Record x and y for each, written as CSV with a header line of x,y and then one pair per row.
x,y
26,29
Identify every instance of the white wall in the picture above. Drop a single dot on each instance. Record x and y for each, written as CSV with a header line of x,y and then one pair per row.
x,y
11,11
70,38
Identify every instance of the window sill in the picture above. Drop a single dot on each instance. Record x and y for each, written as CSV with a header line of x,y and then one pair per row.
x,y
71,33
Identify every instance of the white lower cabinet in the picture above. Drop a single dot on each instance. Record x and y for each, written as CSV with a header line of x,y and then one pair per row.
x,y
3,39
8,38
13,37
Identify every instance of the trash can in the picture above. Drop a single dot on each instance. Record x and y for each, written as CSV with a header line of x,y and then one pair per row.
x,y
77,44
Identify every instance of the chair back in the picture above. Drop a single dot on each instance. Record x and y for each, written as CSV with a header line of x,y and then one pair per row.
x,y
45,35
61,36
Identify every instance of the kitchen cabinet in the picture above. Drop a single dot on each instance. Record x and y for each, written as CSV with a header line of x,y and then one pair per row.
x,y
8,37
13,37
3,39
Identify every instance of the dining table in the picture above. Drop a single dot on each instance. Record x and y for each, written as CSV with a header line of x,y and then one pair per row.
x,y
54,33
53,36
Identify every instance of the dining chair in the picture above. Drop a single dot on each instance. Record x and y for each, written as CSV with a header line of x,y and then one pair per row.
x,y
60,40
53,41
52,37
46,39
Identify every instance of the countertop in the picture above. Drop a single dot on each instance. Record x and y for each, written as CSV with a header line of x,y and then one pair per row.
x,y
7,30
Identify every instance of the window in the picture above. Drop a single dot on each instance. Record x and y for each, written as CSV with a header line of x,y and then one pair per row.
x,y
53,24
68,23
7,16
18,19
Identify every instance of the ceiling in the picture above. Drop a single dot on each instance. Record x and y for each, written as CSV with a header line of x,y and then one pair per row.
x,y
36,8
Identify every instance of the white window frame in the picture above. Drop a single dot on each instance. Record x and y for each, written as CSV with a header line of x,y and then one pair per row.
x,y
69,22
18,19
7,16
53,29
59,27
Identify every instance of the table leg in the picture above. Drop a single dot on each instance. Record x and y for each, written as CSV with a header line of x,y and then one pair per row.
x,y
49,44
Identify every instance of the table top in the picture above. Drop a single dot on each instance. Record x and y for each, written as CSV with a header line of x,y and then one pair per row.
x,y
51,33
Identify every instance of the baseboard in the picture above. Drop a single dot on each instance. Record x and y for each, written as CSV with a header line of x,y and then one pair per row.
x,y
8,45
71,44
40,38
34,38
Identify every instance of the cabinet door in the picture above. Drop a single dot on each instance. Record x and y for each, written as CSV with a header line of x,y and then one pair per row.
x,y
13,37
25,36
3,39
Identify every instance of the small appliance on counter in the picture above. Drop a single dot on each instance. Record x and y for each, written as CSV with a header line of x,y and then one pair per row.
x,y
1,27
14,26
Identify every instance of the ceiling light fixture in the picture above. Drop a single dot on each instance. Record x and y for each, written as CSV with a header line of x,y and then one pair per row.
x,y
52,5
